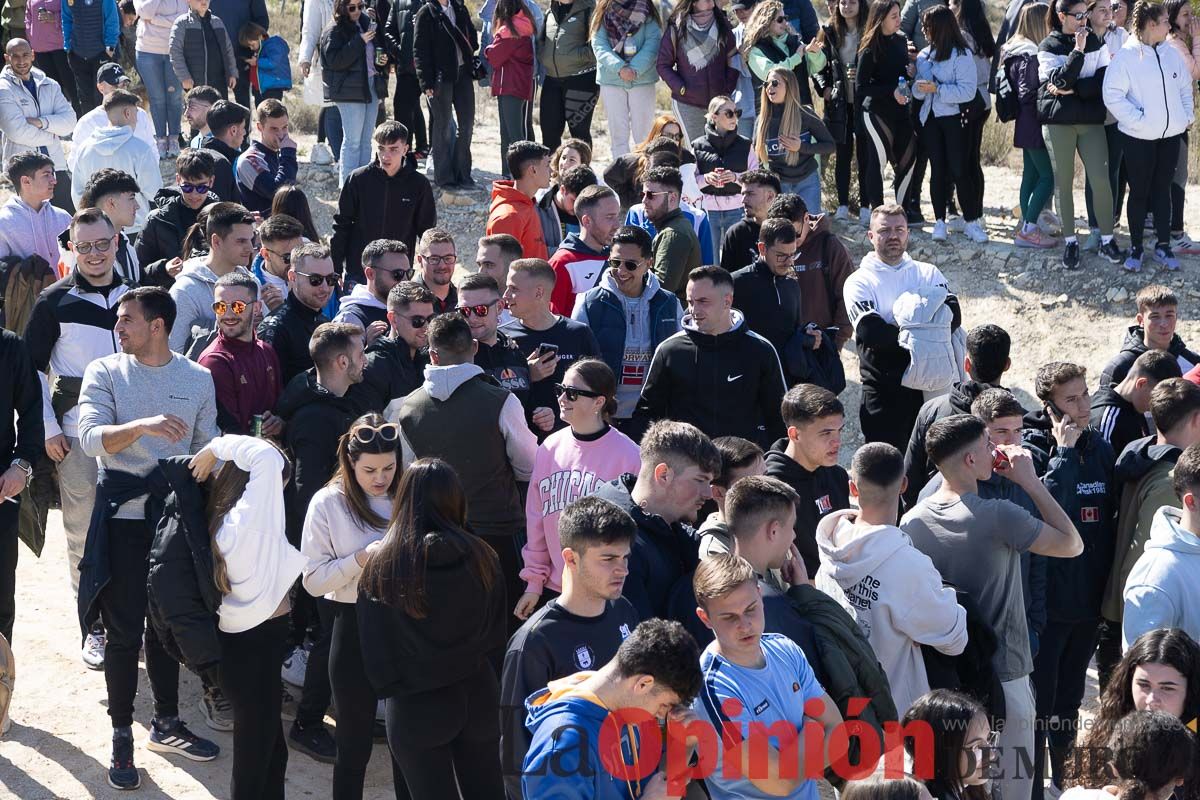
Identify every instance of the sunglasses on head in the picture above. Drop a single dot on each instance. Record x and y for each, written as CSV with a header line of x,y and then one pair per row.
x,y
481,310
220,306
574,393
388,433
100,246
416,320
201,188
627,264
316,280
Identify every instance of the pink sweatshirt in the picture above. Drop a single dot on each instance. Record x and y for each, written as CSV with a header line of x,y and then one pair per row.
x,y
564,470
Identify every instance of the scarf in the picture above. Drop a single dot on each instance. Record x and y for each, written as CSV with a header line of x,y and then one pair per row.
x,y
623,18
701,45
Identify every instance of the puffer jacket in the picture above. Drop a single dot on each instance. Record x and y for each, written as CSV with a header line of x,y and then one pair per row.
x,y
1149,91
1061,64
155,18
511,58
563,46
935,357
611,60
166,225
50,105
182,595
955,78
344,76
730,150
189,54
1020,64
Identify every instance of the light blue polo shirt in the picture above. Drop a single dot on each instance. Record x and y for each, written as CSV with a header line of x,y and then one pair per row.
x,y
776,692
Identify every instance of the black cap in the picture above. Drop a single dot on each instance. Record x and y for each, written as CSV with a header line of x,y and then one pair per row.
x,y
111,73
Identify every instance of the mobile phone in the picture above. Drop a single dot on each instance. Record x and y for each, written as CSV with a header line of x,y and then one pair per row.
x,y
1054,412
546,349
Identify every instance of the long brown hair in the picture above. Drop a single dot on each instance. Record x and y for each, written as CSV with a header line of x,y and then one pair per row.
x,y
791,120
683,10
291,200
942,31
430,501
350,449
872,35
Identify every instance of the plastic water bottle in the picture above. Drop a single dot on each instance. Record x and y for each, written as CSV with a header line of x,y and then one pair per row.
x,y
902,87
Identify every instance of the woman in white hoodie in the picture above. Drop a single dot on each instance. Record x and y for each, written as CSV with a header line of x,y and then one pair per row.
x,y
345,522
1148,89
254,567
892,588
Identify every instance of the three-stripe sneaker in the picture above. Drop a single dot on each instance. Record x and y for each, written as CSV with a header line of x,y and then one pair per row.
x,y
178,740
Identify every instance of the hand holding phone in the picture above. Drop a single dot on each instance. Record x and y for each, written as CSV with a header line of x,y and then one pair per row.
x,y
1066,432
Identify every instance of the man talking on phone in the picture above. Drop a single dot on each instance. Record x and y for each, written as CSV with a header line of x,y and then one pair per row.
x,y
550,343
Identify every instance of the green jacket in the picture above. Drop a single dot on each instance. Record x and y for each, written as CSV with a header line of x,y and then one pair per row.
x,y
676,253
1145,469
564,48
13,16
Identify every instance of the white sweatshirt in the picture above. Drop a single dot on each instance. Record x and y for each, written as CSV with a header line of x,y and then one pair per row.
x,y
331,537
896,594
261,564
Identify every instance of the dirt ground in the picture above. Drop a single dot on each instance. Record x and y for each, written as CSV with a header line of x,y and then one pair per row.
x,y
59,743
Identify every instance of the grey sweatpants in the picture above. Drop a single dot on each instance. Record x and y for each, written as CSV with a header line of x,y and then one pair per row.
x,y
77,474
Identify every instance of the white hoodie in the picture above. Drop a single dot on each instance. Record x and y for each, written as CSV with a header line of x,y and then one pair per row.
x,y
1149,91
118,148
1161,590
876,286
896,594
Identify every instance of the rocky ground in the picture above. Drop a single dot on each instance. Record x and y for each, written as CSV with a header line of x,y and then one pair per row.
x,y
58,745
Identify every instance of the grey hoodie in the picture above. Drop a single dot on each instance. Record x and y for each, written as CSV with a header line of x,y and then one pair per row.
x,y
193,296
1162,590
896,594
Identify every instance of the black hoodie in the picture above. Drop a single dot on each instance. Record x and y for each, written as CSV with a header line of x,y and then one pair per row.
x,y
771,305
374,205
1081,479
916,462
821,492
391,373
1116,420
730,384
166,225
315,419
1133,346
288,329
663,557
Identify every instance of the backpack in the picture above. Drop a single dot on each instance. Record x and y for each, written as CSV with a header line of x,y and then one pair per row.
x,y
1007,103
274,70
21,281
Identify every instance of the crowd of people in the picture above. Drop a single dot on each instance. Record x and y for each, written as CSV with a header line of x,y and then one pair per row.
x,y
482,511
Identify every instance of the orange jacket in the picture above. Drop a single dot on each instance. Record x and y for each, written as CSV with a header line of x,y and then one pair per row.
x,y
515,214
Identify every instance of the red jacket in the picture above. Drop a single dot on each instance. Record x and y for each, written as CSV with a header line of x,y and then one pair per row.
x,y
511,57
516,214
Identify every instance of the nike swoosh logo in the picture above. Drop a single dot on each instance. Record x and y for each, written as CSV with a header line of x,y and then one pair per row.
x,y
732,378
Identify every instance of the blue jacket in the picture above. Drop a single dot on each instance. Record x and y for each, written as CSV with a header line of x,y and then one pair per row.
x,y
260,171
603,310
803,17
564,754
957,81
84,43
644,62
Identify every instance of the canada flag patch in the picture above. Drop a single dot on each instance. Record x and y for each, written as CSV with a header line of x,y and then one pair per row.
x,y
1089,514
824,504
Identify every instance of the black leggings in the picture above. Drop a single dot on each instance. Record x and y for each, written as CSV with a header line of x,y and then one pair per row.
x,y
892,142
973,208
568,102
356,700
250,678
407,110
447,740
314,697
854,150
945,140
1151,167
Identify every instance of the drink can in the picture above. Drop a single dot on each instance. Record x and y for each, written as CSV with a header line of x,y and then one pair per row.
x,y
256,423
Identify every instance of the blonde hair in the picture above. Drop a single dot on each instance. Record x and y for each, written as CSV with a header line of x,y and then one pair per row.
x,y
790,122
718,575
758,27
1031,24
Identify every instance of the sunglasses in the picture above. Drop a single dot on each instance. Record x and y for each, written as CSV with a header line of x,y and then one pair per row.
x,y
316,280
1080,17
286,258
655,194
189,188
388,433
573,393
781,19
399,275
774,84
676,136
480,310
627,264
220,306
731,113
100,246
354,8
416,320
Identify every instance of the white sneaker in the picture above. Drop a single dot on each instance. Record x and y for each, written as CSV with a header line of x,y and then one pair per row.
x,y
975,232
321,154
294,667
939,231
93,650
842,213
956,224
864,217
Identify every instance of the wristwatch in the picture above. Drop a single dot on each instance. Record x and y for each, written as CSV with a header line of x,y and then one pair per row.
x,y
24,465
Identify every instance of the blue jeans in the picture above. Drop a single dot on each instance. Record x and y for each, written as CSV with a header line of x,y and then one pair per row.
x,y
358,123
809,190
719,222
165,91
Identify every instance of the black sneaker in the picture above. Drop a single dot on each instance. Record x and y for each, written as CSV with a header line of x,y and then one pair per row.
x,y
315,742
1071,256
915,217
178,740
1112,252
122,774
